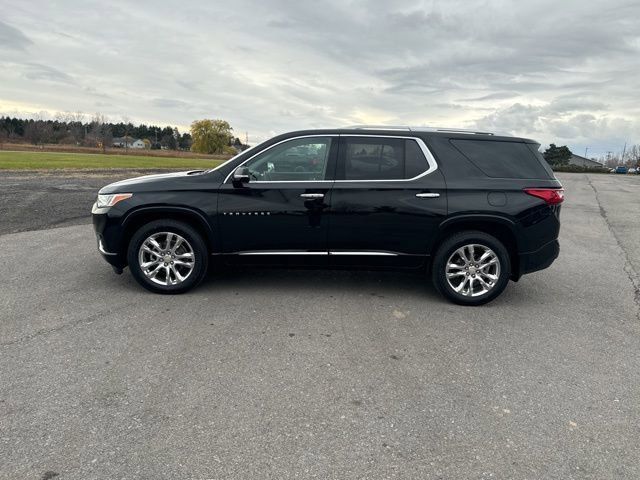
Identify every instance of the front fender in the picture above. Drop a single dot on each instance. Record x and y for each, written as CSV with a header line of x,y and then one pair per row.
x,y
136,216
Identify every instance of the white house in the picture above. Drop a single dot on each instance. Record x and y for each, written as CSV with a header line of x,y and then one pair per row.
x,y
127,142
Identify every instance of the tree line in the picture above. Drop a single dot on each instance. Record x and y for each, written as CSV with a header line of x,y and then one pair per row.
x,y
559,156
629,157
75,129
206,136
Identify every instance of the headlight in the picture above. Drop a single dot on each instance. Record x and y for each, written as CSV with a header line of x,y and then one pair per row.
x,y
110,200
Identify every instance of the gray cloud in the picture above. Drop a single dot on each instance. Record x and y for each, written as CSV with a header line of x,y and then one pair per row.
x,y
490,96
37,71
556,71
12,38
169,103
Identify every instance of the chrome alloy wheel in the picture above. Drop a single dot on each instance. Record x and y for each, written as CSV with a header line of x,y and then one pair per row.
x,y
166,258
473,270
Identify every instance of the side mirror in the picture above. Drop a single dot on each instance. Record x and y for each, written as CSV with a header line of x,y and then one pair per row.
x,y
241,176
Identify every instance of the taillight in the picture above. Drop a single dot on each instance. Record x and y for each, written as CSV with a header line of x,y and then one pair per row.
x,y
553,196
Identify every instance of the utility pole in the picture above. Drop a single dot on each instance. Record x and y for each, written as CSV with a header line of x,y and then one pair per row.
x,y
586,149
609,155
624,150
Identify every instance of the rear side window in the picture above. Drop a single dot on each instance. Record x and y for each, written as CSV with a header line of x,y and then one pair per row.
x,y
415,161
502,159
372,158
535,149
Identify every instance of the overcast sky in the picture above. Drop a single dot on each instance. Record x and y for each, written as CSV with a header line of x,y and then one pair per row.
x,y
558,71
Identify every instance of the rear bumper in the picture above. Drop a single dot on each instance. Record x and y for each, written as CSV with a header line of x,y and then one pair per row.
x,y
539,259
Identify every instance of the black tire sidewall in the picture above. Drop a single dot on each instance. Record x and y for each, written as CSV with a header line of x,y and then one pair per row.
x,y
453,243
186,231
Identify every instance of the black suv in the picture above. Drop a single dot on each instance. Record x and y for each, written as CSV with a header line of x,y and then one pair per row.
x,y
471,208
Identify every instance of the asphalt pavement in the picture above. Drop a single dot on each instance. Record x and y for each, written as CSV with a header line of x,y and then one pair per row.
x,y
312,374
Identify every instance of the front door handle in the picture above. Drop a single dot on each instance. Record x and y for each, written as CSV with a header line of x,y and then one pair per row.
x,y
427,195
312,195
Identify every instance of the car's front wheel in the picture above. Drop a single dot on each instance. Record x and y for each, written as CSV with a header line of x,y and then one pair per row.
x,y
167,256
471,268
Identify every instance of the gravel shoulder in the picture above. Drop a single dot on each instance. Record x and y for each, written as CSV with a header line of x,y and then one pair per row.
x,y
48,199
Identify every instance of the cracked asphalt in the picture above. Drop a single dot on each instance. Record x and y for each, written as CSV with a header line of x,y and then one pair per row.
x,y
294,374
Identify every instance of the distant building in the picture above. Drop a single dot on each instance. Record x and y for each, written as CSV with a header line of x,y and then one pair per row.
x,y
584,162
128,142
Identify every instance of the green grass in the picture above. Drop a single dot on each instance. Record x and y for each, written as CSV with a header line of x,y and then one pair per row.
x,y
86,161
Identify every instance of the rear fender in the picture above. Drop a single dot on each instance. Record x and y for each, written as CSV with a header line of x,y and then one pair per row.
x,y
503,228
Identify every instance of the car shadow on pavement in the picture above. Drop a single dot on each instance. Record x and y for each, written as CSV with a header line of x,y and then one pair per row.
x,y
325,282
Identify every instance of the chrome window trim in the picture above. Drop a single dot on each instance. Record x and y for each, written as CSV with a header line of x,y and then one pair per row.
x,y
281,252
275,145
363,252
433,166
291,181
431,161
319,252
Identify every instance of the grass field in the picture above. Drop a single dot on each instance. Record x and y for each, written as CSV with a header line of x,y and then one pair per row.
x,y
85,161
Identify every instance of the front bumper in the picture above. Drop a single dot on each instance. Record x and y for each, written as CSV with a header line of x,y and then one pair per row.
x,y
102,250
107,238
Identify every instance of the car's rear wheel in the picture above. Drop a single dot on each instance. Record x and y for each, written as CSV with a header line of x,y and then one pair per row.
x,y
471,268
167,256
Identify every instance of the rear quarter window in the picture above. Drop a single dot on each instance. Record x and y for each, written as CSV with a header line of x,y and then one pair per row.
x,y
502,159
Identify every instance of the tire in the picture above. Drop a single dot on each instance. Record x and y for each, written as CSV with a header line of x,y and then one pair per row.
x,y
185,261
488,282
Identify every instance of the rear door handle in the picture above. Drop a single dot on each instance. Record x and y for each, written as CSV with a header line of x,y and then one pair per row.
x,y
427,195
312,195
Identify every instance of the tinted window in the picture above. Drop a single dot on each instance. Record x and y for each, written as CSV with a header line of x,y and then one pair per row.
x,y
382,159
535,149
502,159
300,159
416,163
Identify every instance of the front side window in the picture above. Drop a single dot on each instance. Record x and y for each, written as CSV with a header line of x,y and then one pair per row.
x,y
300,159
373,158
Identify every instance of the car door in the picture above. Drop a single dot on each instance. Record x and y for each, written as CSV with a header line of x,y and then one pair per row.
x,y
280,214
387,201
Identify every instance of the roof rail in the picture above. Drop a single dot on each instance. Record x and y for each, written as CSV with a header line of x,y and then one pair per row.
x,y
462,130
379,127
418,129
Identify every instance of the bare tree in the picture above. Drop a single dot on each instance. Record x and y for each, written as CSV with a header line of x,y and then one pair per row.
x,y
633,156
100,132
38,131
4,136
72,124
126,122
612,160
76,127
63,121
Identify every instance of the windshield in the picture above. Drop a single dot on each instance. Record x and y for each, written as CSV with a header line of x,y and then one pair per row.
x,y
233,158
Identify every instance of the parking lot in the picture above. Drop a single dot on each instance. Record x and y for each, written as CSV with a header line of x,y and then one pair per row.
x,y
312,374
